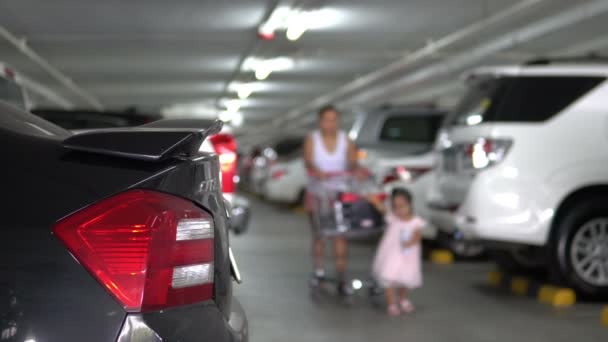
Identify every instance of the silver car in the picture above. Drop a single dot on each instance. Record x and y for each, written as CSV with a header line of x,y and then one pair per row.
x,y
392,132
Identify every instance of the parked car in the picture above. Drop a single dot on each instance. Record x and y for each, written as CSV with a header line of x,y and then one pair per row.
x,y
285,147
287,181
106,240
390,132
79,119
11,91
523,167
396,144
223,143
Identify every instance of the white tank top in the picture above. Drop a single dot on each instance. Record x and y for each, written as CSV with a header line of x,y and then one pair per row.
x,y
330,162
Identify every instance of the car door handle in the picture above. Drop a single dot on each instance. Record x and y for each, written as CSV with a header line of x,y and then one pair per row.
x,y
234,269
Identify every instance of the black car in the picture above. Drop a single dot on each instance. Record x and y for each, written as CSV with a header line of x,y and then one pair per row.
x,y
82,119
113,235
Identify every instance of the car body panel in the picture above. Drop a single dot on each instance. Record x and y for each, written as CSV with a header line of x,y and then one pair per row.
x,y
289,187
46,294
515,200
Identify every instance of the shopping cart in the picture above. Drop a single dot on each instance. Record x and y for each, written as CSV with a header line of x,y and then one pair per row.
x,y
340,209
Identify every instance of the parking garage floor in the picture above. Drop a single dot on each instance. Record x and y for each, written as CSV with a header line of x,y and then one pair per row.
x,y
454,305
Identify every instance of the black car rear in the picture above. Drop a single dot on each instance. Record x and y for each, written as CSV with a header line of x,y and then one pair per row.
x,y
114,236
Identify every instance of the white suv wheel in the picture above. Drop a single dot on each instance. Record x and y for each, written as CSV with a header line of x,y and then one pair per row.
x,y
589,252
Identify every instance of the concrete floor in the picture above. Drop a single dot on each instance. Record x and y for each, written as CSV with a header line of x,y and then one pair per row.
x,y
454,305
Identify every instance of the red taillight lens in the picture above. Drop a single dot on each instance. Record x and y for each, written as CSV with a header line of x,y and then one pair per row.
x,y
405,174
349,197
278,174
225,146
150,250
486,152
9,73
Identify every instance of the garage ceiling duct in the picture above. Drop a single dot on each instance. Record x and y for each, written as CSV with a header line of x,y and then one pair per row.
x,y
21,45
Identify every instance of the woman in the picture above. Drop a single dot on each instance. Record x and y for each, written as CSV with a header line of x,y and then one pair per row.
x,y
327,151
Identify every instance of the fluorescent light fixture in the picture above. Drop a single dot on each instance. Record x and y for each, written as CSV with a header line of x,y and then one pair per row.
x,y
225,116
234,118
296,21
264,67
295,32
237,119
232,106
262,73
244,91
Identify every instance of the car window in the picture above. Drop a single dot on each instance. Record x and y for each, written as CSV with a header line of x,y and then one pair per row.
x,y
520,99
410,128
15,120
288,147
11,93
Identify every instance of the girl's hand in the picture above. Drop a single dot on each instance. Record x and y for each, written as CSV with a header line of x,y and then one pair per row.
x,y
416,238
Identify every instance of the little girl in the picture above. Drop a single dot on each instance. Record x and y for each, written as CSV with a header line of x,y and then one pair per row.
x,y
397,265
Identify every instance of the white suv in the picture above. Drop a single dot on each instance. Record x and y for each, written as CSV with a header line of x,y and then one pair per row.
x,y
523,167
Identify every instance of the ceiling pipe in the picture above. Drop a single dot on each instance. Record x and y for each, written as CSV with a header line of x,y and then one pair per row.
x,y
44,91
472,57
399,65
21,46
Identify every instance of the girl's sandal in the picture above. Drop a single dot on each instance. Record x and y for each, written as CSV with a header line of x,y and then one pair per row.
x,y
407,306
393,310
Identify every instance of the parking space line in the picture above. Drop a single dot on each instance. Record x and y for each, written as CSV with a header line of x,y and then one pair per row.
x,y
604,317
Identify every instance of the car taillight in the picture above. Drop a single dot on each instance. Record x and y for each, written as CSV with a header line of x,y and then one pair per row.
x,y
404,174
485,152
225,146
9,73
150,250
278,174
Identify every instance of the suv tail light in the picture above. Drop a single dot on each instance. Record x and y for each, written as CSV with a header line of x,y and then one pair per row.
x,y
150,250
404,174
485,152
278,174
9,73
225,146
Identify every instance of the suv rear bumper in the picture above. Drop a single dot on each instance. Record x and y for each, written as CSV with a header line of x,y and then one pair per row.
x,y
498,209
202,322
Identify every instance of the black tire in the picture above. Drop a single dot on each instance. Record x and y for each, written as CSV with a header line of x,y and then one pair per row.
x,y
573,221
300,200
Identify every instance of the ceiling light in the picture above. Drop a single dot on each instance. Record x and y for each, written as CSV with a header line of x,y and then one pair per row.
x,y
232,106
275,21
295,32
298,23
244,90
264,67
237,119
262,73
225,116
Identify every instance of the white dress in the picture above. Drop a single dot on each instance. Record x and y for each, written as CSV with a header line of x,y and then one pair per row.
x,y
394,265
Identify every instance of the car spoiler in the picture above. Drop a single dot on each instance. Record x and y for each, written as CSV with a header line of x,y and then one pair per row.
x,y
147,143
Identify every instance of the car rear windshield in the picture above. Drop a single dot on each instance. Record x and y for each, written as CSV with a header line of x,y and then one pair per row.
x,y
13,119
288,147
410,128
519,99
11,93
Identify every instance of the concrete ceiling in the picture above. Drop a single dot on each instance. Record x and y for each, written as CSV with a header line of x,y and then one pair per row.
x,y
157,53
